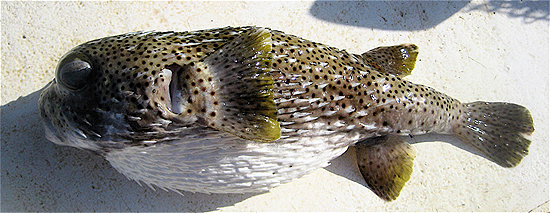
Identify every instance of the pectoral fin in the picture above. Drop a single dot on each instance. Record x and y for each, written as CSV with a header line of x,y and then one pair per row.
x,y
234,91
386,164
397,60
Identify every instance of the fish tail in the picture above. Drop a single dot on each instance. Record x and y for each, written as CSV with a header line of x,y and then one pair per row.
x,y
497,129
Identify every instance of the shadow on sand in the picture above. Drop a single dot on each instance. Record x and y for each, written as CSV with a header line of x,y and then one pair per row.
x,y
418,15
387,15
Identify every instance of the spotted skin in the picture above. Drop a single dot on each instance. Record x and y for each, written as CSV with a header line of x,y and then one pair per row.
x,y
316,82
237,110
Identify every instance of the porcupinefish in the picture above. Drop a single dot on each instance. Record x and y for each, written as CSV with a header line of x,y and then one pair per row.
x,y
245,109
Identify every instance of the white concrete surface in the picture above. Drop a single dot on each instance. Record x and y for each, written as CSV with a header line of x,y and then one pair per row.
x,y
490,51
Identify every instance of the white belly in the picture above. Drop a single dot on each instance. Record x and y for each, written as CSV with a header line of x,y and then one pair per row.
x,y
222,163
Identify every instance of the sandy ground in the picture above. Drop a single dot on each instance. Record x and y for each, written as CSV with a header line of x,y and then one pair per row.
x,y
472,51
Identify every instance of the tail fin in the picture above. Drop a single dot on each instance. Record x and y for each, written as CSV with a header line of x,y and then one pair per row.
x,y
498,130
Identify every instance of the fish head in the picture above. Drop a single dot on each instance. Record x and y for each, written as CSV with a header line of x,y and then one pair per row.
x,y
116,90
144,87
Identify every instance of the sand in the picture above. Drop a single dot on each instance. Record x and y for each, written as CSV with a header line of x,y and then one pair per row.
x,y
491,51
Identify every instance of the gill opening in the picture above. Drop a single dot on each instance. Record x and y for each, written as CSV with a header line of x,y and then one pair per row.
x,y
175,89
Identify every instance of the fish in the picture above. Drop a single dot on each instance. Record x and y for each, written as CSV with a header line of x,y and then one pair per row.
x,y
246,109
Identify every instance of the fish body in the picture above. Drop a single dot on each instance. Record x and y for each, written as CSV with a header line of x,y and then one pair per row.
x,y
245,109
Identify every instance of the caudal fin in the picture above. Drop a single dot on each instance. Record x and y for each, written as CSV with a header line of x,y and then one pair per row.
x,y
498,130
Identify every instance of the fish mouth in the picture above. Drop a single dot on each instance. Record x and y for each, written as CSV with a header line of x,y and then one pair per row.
x,y
175,96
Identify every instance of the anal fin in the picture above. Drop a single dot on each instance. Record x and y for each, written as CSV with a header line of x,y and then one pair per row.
x,y
398,60
386,164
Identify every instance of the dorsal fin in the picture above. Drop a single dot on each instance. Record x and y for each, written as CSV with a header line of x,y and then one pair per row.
x,y
397,60
233,89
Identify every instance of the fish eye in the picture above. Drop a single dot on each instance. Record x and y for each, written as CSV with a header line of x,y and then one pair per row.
x,y
73,71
